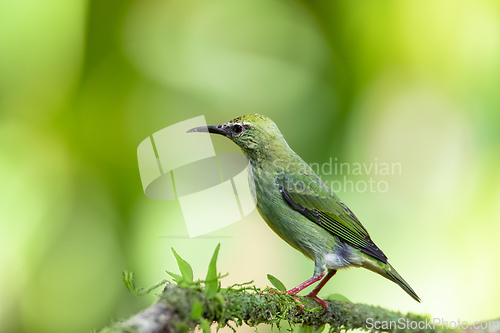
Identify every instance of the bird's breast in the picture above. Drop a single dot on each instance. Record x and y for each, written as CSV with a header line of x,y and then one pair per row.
x,y
251,182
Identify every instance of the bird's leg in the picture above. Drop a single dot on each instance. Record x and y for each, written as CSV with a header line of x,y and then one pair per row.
x,y
313,294
305,284
319,273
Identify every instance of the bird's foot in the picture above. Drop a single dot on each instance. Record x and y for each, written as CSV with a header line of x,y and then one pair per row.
x,y
314,296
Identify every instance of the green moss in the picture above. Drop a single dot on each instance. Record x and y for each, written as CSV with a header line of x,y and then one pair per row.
x,y
189,303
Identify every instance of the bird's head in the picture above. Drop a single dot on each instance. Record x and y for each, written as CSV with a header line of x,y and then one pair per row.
x,y
256,135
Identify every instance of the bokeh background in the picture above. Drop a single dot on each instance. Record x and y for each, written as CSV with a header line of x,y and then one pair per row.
x,y
82,83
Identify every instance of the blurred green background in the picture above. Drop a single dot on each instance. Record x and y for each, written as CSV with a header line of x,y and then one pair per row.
x,y
82,83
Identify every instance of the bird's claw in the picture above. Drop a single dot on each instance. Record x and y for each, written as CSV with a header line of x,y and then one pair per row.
x,y
318,300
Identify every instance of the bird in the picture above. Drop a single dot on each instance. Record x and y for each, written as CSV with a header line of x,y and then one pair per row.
x,y
300,208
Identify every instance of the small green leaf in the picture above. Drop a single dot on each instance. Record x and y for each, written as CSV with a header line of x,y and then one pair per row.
x,y
337,297
196,310
276,283
177,277
205,326
128,279
184,267
212,282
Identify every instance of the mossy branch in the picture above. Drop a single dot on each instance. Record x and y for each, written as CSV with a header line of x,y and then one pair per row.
x,y
174,312
188,304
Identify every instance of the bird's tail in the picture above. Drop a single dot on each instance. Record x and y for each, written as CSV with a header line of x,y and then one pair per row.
x,y
387,271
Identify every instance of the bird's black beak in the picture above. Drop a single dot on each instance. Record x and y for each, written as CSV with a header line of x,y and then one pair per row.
x,y
215,129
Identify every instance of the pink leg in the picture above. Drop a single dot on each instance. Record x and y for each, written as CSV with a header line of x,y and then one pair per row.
x,y
305,284
313,294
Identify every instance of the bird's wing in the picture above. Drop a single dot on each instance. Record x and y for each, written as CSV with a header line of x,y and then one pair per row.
x,y
310,196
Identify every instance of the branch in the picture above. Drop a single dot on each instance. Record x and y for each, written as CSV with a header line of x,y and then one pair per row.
x,y
188,304
176,312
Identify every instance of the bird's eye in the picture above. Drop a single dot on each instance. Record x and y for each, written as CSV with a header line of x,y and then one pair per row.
x,y
237,129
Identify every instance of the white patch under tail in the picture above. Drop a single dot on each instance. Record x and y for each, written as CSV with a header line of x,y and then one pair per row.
x,y
345,256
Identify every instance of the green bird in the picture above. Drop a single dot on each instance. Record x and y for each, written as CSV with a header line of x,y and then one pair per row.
x,y
300,208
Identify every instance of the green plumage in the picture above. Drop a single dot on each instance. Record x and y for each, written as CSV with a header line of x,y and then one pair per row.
x,y
300,208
